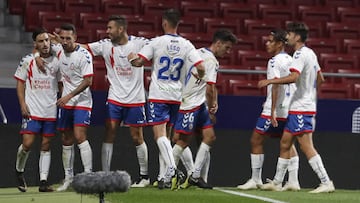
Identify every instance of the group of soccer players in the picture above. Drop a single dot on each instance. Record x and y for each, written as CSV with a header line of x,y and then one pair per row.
x,y
182,95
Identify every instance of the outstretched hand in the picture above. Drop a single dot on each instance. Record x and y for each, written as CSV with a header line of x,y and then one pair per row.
x,y
263,83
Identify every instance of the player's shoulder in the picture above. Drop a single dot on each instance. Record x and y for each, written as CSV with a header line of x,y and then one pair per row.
x,y
303,52
82,50
104,41
27,58
133,38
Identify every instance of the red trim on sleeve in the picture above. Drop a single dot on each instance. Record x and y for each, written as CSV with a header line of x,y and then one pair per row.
x,y
19,79
294,70
211,83
197,63
89,75
141,56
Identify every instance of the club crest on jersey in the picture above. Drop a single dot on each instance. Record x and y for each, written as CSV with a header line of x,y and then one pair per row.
x,y
173,49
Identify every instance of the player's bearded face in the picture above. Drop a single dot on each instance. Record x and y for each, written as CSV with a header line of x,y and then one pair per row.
x,y
42,43
67,38
114,31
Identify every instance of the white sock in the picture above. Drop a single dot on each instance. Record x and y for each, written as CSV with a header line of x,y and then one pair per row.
x,y
257,161
281,168
187,160
200,159
318,167
162,167
166,153
205,169
142,155
44,164
68,161
21,159
177,151
106,156
86,155
293,169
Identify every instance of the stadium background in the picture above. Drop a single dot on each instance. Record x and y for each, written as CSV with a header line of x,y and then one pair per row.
x,y
332,35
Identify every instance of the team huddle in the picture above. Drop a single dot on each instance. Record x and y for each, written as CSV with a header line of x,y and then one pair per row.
x,y
181,102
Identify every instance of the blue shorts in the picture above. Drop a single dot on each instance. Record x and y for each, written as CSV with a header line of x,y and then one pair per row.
x,y
132,116
45,128
188,121
68,118
158,113
300,123
264,127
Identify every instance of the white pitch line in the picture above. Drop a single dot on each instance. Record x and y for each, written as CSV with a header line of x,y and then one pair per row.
x,y
250,196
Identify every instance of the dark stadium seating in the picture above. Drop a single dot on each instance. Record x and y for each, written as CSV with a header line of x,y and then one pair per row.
x,y
275,12
352,46
33,7
212,24
52,20
318,13
238,10
332,62
120,7
348,14
260,27
246,88
334,33
335,91
252,58
324,45
343,30
157,7
199,9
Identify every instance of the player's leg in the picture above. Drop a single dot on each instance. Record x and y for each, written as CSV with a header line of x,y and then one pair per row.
x,y
316,163
81,123
286,142
45,155
201,158
161,115
293,168
29,129
65,126
108,144
136,119
113,119
142,156
257,160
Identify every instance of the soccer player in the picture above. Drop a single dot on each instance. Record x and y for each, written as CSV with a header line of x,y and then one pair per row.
x,y
126,97
76,101
300,125
168,54
273,117
199,105
37,95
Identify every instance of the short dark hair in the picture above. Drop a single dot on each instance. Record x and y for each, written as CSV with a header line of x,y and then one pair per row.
x,y
38,31
279,35
298,28
172,16
224,35
119,20
68,27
